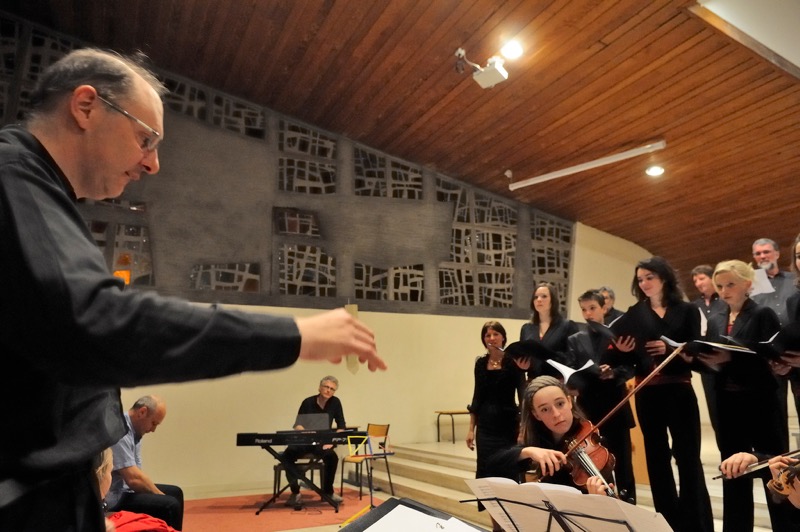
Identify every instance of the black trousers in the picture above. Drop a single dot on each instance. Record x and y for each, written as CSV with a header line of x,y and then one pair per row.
x,y
749,421
670,410
167,507
69,503
329,458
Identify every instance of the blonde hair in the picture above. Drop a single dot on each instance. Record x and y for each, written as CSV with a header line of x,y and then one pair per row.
x,y
738,268
105,460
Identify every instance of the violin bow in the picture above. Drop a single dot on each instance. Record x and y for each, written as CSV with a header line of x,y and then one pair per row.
x,y
627,398
758,466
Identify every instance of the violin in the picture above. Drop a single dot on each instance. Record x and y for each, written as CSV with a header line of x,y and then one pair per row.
x,y
782,487
588,457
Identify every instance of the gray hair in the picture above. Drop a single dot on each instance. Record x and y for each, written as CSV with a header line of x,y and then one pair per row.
x,y
330,378
111,74
610,291
766,242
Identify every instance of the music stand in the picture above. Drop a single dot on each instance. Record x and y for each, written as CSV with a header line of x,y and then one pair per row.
x,y
534,507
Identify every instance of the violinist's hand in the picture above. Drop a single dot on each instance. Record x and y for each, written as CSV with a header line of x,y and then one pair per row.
x,y
626,344
791,358
110,525
779,463
549,460
596,486
523,363
716,357
736,464
656,348
606,372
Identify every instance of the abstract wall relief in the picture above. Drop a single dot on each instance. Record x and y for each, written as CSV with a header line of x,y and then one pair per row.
x,y
306,271
401,283
295,222
233,277
483,247
328,196
551,248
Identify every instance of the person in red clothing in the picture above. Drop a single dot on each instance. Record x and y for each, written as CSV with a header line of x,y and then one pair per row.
x,y
124,521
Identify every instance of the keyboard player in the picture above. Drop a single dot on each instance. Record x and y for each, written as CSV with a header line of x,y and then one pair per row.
x,y
323,403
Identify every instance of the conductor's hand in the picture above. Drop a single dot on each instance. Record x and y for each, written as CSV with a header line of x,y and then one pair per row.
x,y
736,464
333,334
549,460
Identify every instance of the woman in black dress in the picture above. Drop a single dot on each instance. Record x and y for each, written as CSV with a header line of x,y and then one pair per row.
x,y
748,413
548,327
494,414
667,405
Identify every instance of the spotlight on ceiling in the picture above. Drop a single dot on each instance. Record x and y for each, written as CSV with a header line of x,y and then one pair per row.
x,y
511,50
654,171
488,76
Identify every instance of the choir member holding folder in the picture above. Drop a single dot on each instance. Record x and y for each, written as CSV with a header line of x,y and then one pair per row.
x,y
549,328
749,418
667,402
604,389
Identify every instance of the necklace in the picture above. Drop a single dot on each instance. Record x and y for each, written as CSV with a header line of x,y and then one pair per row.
x,y
494,363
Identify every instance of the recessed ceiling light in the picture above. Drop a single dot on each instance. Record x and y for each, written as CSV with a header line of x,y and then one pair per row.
x,y
654,171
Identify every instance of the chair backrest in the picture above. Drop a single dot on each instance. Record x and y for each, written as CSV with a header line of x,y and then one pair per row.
x,y
377,431
379,437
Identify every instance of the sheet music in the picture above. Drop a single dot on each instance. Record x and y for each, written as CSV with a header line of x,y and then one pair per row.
x,y
484,488
524,507
761,284
402,519
567,371
703,322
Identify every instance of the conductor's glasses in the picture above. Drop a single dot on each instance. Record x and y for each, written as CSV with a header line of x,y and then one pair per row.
x,y
151,141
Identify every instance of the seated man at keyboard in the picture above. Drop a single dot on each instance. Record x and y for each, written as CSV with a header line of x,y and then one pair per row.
x,y
322,403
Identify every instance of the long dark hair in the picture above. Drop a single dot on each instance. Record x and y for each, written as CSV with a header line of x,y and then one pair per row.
x,y
555,302
532,431
671,293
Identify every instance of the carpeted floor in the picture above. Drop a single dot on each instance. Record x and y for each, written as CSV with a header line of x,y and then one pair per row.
x,y
239,513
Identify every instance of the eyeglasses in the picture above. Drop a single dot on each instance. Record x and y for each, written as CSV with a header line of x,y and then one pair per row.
x,y
331,388
151,141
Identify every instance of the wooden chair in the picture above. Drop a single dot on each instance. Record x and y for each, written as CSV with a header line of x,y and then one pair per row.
x,y
377,450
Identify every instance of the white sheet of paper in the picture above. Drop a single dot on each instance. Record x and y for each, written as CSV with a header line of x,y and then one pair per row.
x,y
567,371
527,507
761,284
402,519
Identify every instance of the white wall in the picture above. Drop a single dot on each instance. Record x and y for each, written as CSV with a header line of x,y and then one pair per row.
x,y
430,368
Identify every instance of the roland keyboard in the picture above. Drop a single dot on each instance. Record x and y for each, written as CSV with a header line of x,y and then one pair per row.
x,y
297,437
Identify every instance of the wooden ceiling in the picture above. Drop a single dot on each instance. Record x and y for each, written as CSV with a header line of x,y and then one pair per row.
x,y
598,77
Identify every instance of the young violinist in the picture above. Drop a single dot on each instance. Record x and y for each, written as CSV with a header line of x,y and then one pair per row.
x,y
666,406
603,391
748,414
549,419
